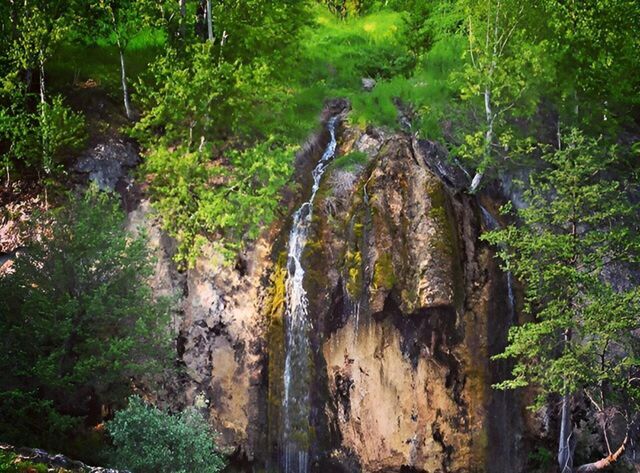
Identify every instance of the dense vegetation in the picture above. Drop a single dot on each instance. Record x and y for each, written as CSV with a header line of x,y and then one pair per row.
x,y
578,224
218,93
78,323
148,440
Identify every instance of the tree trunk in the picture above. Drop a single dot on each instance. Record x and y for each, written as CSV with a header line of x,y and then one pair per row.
x,y
125,89
46,155
606,461
488,141
42,84
565,453
209,22
475,182
183,15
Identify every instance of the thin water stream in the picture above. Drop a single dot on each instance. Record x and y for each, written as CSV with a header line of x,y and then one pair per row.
x,y
493,224
298,357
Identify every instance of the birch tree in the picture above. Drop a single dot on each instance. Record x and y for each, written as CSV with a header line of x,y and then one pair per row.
x,y
500,63
118,21
36,127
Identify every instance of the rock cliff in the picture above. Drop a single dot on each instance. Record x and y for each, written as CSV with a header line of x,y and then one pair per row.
x,y
407,308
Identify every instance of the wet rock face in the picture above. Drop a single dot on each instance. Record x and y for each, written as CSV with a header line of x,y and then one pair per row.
x,y
412,308
407,308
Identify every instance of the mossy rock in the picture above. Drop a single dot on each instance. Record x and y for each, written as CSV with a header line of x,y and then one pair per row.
x,y
354,273
384,276
274,309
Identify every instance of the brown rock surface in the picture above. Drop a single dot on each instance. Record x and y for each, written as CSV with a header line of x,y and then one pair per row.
x,y
412,307
407,305
217,326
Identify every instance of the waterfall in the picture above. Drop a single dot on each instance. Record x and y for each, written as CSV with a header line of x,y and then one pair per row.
x,y
492,224
298,363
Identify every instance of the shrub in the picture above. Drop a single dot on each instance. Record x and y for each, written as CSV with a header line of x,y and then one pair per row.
x,y
148,440
231,199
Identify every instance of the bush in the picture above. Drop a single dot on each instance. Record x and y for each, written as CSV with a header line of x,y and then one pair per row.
x,y
10,463
148,440
231,199
42,139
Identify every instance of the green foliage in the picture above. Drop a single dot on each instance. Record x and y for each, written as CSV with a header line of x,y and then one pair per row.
x,y
345,8
594,49
350,161
75,62
79,322
148,440
541,460
116,22
36,132
42,140
10,463
63,132
340,54
201,98
500,69
578,221
29,419
232,198
199,93
260,30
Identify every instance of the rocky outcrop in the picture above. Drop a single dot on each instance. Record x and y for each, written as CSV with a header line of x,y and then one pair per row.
x,y
108,164
407,309
218,333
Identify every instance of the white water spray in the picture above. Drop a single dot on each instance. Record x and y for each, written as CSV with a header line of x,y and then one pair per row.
x,y
297,368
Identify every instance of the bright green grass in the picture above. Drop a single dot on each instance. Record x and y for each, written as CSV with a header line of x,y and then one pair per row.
x,y
333,57
336,55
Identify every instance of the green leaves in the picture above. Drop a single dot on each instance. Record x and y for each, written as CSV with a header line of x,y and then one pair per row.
x,y
78,316
229,201
148,440
579,221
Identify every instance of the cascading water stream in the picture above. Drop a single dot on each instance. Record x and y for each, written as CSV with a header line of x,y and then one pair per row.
x,y
493,224
297,369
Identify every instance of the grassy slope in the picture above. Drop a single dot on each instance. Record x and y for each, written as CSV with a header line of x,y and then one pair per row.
x,y
74,64
330,61
335,56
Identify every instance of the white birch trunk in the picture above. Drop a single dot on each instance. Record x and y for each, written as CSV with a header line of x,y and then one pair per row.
x,y
125,89
46,155
209,22
488,140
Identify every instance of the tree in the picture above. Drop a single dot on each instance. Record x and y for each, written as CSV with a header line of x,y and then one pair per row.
x,y
194,197
79,322
148,440
119,21
345,8
581,343
36,130
500,65
593,45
